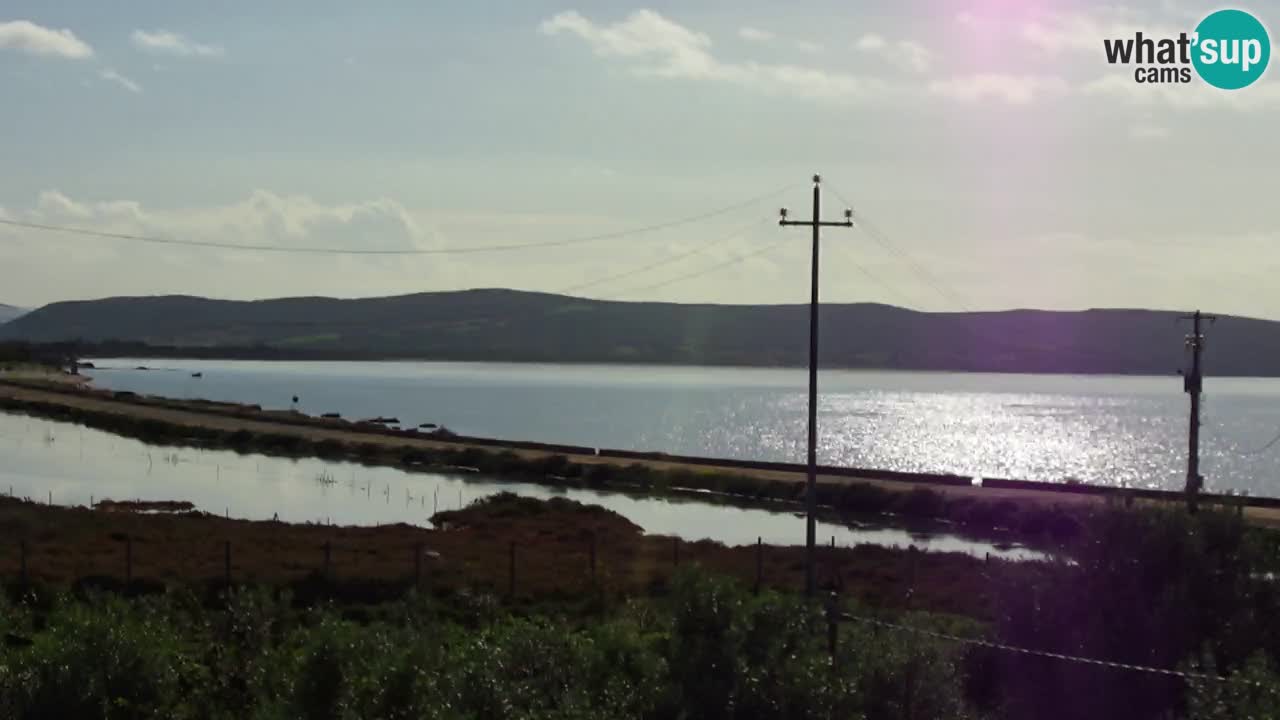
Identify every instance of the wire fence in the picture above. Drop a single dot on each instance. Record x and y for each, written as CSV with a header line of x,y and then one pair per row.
x,y
582,568
992,645
589,560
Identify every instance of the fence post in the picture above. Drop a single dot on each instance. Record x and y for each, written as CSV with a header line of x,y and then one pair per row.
x,y
128,560
909,689
833,627
593,558
511,571
912,554
328,550
417,565
226,561
22,562
759,563
675,551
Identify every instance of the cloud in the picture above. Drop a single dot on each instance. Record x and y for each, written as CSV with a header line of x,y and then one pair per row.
x,y
121,80
913,55
1197,95
1058,32
90,266
171,43
904,54
1054,32
1147,130
1012,89
265,217
871,42
659,47
767,37
26,36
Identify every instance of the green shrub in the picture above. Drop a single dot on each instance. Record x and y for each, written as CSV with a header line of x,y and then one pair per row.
x,y
102,660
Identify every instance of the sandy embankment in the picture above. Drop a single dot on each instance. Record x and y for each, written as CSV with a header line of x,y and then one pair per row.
x,y
71,392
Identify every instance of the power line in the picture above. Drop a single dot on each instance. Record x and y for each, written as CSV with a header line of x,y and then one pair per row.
x,y
408,251
862,222
873,278
1266,447
704,271
1270,444
660,263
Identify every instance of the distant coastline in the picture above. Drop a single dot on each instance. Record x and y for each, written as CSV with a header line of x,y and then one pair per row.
x,y
525,327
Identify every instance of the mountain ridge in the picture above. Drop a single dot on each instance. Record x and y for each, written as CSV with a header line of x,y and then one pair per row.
x,y
10,312
520,326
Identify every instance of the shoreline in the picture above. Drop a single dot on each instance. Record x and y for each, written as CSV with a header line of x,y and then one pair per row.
x,y
1029,512
645,366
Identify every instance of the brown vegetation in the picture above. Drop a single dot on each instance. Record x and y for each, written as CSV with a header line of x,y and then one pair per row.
x,y
552,543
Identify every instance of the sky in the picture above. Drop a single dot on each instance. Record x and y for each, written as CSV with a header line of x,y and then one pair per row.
x,y
993,156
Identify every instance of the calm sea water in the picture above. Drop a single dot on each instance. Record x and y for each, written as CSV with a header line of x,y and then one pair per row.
x,y
1099,429
72,465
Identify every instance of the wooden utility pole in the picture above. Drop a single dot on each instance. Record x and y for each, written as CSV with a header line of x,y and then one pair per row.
x,y
1192,384
811,489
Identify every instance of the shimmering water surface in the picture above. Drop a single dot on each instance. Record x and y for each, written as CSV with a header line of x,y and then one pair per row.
x,y
72,465
1100,429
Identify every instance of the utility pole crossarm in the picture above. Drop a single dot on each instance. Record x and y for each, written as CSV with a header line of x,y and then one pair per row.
x,y
821,223
811,488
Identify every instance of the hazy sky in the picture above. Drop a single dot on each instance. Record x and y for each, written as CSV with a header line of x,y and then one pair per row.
x,y
989,141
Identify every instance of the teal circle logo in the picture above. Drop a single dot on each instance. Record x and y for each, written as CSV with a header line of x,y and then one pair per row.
x,y
1231,49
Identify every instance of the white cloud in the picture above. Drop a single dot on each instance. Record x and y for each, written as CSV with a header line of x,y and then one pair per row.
x,y
660,47
121,80
872,42
264,216
88,267
26,36
768,37
1147,130
904,54
914,55
171,43
1057,32
755,34
1012,89
1196,95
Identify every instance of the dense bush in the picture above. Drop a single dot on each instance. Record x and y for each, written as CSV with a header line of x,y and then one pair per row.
x,y
706,650
1156,588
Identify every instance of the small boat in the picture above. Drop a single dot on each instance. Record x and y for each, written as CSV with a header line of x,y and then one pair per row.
x,y
197,374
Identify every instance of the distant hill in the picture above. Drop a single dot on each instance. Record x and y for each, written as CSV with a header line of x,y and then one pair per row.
x,y
509,325
9,312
